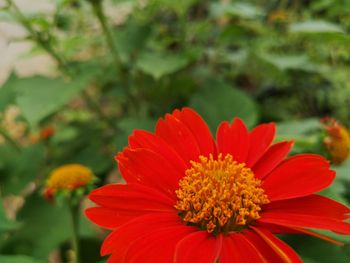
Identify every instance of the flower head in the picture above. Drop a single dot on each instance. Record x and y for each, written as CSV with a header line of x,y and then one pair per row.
x,y
190,198
67,178
278,16
337,140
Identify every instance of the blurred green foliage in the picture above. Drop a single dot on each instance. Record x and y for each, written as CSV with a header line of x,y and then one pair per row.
x,y
285,61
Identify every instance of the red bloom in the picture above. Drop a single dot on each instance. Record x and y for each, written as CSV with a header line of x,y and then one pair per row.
x,y
191,199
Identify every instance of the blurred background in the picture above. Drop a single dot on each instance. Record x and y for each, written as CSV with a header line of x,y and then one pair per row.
x,y
78,76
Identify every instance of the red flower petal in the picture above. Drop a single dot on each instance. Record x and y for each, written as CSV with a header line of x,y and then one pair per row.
x,y
298,176
236,248
158,246
119,241
310,205
233,139
277,229
318,235
151,169
132,197
198,247
264,249
145,139
286,253
261,138
179,137
110,218
199,129
271,158
305,221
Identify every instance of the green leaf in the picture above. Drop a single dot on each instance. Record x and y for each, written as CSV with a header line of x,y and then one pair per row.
x,y
297,128
18,259
288,62
217,102
44,228
38,97
131,39
179,6
5,223
128,125
315,26
7,94
22,169
239,9
158,64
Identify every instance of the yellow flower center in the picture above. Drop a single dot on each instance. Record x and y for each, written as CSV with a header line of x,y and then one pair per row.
x,y
219,195
69,177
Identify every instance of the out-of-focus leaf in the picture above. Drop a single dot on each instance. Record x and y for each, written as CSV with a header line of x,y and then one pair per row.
x,y
315,26
22,169
180,6
159,64
7,94
240,9
287,62
297,128
38,97
316,250
44,227
5,223
131,39
128,125
18,259
217,101
343,171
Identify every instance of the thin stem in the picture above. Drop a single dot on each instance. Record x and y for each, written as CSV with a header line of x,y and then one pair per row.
x,y
46,45
98,10
9,139
36,35
74,215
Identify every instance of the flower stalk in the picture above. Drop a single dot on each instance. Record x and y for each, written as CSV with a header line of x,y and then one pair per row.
x,y
61,61
99,13
74,216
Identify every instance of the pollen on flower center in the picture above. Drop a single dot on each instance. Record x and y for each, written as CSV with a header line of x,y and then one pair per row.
x,y
219,195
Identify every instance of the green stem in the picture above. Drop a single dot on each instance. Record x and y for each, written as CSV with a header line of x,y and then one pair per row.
x,y
36,35
74,215
98,11
60,61
10,140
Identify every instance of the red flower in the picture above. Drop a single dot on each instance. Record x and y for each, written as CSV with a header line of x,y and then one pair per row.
x,y
191,199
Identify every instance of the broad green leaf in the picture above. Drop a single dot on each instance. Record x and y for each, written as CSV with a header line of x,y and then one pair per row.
x,y
18,259
7,94
217,101
161,64
315,26
130,40
22,169
240,9
287,62
5,223
43,228
297,128
38,97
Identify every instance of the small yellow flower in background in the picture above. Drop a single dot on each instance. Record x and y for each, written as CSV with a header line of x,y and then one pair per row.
x,y
278,16
68,178
337,140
